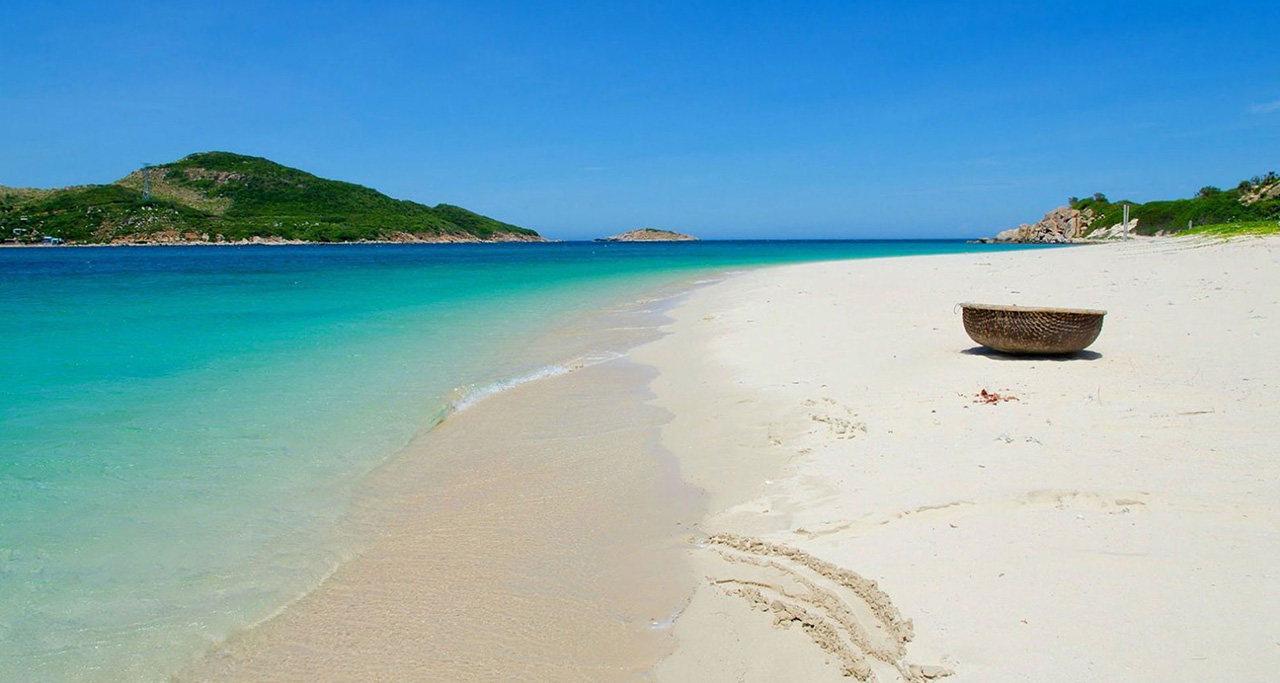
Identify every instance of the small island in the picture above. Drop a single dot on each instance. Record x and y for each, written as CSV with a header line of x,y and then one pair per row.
x,y
649,235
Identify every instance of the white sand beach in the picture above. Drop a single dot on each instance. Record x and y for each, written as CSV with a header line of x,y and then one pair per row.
x,y
1117,520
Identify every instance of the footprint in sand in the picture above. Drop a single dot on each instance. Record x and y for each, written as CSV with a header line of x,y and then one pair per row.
x,y
845,614
840,420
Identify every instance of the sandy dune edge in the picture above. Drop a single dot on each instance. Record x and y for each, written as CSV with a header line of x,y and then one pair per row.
x,y
872,519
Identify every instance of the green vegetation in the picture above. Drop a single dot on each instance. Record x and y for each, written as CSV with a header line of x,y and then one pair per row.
x,y
1234,229
219,196
1256,200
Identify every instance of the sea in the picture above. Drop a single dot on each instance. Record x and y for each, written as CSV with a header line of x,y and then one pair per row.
x,y
183,428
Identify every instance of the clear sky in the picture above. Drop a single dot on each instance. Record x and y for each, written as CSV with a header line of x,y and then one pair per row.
x,y
732,118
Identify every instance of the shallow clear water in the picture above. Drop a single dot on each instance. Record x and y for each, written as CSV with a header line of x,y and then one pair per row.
x,y
180,428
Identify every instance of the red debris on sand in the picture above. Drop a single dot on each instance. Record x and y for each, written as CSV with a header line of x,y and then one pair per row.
x,y
985,396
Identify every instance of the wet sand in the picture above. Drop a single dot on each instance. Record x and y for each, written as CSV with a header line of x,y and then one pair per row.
x,y
537,535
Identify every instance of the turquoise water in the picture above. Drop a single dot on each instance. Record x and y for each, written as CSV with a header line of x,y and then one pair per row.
x,y
180,428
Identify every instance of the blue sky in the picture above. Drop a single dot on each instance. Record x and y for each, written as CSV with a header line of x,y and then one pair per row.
x,y
725,119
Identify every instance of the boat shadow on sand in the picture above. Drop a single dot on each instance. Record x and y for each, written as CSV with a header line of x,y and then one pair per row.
x,y
985,352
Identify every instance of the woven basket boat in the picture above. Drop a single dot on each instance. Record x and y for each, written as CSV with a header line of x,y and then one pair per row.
x,y
1018,329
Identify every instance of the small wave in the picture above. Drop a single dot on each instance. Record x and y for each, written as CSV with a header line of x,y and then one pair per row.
x,y
469,396
473,396
663,624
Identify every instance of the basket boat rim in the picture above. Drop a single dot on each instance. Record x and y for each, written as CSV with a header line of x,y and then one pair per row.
x,y
1032,309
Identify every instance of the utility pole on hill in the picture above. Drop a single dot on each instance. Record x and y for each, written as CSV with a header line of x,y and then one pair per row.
x,y
146,182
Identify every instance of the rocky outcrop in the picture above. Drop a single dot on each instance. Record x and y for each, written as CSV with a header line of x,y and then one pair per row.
x,y
649,235
1269,188
1115,232
455,238
1059,226
174,237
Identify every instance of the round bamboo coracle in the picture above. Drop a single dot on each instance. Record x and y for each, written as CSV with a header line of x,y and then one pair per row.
x,y
1018,329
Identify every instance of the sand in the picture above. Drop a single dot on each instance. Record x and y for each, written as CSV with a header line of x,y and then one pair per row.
x,y
502,545
871,517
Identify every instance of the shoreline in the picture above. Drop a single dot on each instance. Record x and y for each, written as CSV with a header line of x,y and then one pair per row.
x,y
871,519
272,242
822,497
531,570
417,382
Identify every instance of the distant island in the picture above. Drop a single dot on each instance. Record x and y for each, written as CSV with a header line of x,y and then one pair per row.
x,y
1253,206
221,198
649,235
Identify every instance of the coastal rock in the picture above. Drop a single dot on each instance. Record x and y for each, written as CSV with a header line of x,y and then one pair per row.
x,y
455,238
1115,232
171,237
1267,189
1059,226
649,235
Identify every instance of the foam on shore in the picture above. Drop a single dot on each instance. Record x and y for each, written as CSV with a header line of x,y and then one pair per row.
x,y
467,397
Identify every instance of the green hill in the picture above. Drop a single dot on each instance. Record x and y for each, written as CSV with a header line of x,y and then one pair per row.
x,y
219,196
1254,200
